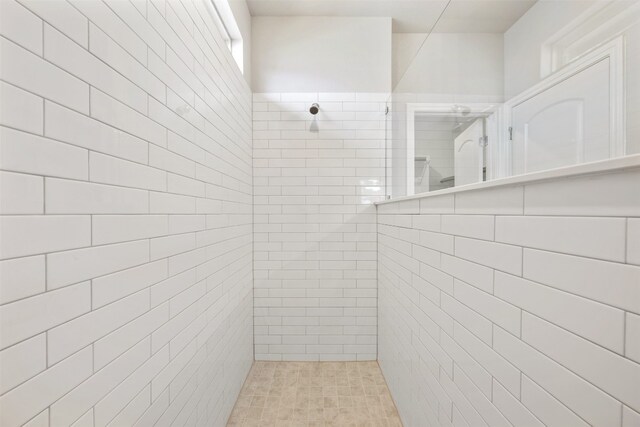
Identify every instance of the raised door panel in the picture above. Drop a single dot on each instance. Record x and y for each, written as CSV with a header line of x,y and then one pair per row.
x,y
566,124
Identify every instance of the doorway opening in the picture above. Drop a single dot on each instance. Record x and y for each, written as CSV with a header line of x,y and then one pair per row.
x,y
449,145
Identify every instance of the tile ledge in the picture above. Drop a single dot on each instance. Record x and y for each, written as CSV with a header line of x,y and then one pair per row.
x,y
602,166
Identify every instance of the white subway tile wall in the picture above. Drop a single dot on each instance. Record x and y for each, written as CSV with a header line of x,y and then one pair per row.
x,y
315,179
126,215
516,305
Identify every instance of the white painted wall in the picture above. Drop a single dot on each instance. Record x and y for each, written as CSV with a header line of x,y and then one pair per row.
x,y
126,216
315,240
523,41
453,67
405,48
492,309
321,54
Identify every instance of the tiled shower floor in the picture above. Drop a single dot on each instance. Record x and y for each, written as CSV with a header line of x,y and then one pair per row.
x,y
311,394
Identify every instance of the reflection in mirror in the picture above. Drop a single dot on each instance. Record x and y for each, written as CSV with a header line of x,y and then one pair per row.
x,y
502,88
450,144
449,151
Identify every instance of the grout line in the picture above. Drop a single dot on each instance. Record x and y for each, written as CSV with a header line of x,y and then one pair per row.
x,y
111,127
119,271
228,138
535,315
43,39
624,335
626,240
232,154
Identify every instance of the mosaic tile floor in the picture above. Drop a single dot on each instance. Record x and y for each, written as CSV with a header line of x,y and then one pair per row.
x,y
312,394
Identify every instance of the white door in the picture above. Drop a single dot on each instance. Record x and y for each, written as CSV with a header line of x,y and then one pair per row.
x,y
566,124
468,154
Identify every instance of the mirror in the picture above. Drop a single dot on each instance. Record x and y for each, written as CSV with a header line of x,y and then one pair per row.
x,y
504,88
450,144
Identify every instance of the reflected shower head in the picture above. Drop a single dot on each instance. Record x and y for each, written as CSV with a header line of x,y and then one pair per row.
x,y
314,108
461,109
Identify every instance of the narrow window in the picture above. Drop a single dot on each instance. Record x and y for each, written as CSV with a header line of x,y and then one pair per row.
x,y
222,15
221,26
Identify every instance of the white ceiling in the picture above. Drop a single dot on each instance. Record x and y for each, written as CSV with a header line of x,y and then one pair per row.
x,y
409,16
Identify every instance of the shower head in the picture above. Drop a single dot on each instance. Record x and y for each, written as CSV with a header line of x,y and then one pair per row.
x,y
314,108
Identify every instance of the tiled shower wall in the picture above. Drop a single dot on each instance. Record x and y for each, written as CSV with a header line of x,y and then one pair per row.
x,y
126,236
516,305
315,226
